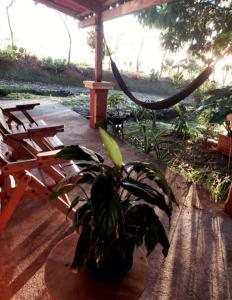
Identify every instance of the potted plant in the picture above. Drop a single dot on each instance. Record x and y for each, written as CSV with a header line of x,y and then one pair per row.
x,y
118,208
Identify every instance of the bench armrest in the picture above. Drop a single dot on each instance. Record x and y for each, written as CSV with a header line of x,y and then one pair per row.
x,y
28,164
49,131
8,112
20,107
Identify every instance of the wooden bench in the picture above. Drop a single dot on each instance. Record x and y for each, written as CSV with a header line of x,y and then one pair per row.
x,y
36,130
19,179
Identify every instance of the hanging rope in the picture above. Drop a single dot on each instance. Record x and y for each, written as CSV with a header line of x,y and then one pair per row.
x,y
169,101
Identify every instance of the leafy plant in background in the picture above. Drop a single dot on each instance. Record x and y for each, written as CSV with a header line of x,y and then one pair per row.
x,y
181,127
57,65
143,114
214,181
117,212
154,75
115,101
216,107
152,142
8,55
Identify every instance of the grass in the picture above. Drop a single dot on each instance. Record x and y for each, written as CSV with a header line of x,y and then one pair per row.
x,y
187,157
31,70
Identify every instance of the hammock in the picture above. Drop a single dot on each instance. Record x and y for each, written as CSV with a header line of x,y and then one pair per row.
x,y
169,101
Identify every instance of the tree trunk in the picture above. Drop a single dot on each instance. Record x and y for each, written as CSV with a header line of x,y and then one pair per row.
x,y
138,57
69,36
70,41
162,65
9,23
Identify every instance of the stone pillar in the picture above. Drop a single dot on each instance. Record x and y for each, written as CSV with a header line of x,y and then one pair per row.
x,y
98,102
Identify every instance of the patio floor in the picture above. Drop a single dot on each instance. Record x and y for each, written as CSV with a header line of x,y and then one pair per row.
x,y
199,264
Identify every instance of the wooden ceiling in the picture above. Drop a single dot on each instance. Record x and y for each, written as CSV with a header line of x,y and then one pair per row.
x,y
85,10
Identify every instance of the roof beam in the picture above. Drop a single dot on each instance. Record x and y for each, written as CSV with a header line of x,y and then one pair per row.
x,y
122,10
54,5
91,5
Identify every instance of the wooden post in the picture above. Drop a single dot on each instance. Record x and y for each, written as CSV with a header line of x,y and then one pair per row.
x,y
98,48
98,89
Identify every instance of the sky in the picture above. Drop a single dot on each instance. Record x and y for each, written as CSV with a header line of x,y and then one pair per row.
x,y
40,30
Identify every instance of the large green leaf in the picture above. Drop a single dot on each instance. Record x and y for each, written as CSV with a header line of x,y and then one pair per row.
x,y
62,189
146,193
142,224
77,152
80,213
220,116
87,178
154,174
156,233
82,248
112,148
106,205
74,202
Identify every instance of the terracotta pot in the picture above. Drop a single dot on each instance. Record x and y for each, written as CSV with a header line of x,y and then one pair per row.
x,y
224,145
114,266
63,284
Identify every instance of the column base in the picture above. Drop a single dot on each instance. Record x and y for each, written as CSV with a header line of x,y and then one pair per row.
x,y
98,102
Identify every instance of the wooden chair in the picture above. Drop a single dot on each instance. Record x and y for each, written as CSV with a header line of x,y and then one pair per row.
x,y
43,136
19,179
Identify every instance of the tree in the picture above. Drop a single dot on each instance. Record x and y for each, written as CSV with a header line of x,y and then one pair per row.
x,y
138,57
91,43
204,26
7,7
65,21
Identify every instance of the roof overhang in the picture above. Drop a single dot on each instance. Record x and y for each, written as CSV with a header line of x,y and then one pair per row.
x,y
86,10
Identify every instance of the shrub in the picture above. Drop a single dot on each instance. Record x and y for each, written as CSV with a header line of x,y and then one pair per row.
x,y
57,65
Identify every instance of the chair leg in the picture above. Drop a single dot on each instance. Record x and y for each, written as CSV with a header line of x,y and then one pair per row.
x,y
15,197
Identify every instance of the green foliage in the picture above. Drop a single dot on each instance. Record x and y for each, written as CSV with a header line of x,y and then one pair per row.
x,y
205,26
199,94
216,107
213,181
27,92
57,65
153,75
118,210
152,142
116,100
181,127
8,55
140,113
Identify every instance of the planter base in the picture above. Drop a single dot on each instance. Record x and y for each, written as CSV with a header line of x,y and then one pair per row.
x,y
63,284
228,204
224,145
